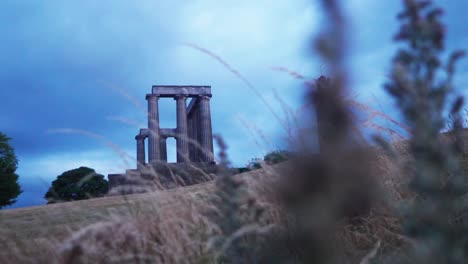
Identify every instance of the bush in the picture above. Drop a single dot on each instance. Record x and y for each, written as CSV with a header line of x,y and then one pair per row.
x,y
276,156
271,158
78,184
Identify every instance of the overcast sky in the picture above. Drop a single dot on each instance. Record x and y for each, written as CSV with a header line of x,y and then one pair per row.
x,y
87,65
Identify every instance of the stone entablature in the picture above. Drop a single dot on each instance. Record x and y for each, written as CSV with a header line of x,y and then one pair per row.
x,y
181,90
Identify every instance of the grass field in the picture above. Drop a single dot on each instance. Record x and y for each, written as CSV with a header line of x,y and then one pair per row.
x,y
167,226
39,233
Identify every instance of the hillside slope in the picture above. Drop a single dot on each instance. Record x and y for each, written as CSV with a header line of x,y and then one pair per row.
x,y
39,228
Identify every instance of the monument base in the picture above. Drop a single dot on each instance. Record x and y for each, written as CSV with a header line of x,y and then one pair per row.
x,y
161,175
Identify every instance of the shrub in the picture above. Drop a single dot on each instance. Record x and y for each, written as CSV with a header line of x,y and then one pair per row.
x,y
276,156
77,184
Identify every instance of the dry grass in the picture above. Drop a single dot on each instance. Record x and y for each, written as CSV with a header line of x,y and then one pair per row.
x,y
158,225
171,226
161,227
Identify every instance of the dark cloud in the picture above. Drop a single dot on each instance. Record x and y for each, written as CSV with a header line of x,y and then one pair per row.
x,y
59,61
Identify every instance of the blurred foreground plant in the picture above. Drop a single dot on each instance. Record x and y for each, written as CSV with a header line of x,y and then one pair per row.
x,y
421,85
323,191
236,215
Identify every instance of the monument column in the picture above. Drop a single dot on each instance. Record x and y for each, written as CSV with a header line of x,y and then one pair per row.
x,y
163,148
206,137
190,136
140,140
182,134
153,127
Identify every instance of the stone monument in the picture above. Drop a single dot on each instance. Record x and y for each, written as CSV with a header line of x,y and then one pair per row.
x,y
193,134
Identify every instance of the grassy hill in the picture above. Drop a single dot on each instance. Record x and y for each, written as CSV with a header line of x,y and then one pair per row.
x,y
38,233
171,226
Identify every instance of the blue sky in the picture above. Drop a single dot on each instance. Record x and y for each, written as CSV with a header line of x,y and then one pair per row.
x,y
87,65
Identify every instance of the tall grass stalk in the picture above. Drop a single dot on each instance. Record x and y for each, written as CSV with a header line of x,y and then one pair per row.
x,y
421,85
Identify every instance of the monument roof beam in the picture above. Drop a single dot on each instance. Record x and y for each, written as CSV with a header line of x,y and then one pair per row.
x,y
168,132
178,90
144,132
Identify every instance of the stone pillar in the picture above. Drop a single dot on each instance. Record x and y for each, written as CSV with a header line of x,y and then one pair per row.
x,y
198,147
153,127
140,140
190,136
163,148
206,137
182,135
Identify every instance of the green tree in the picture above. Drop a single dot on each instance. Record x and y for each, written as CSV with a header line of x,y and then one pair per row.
x,y
270,158
77,184
276,156
9,187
